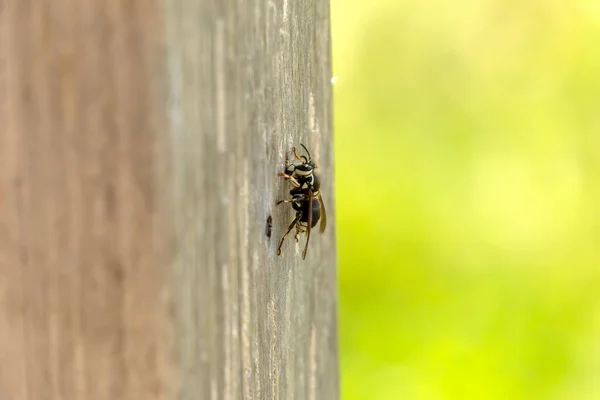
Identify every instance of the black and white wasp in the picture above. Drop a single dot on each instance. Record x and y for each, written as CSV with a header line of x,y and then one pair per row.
x,y
306,198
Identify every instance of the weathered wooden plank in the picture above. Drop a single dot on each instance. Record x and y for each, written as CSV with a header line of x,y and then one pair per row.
x,y
249,80
139,148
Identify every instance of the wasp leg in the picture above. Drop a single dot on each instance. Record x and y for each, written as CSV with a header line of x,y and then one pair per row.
x,y
294,199
289,178
288,231
284,201
287,162
309,224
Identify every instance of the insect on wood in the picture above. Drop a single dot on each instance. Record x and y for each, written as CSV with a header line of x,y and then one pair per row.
x,y
305,198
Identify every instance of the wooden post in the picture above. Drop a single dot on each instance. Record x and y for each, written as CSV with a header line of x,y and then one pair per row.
x,y
139,146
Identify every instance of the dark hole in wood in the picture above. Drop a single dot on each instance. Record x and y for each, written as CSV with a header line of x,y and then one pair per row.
x,y
268,226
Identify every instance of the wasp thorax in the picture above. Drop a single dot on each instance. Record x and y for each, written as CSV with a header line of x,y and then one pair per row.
x,y
303,169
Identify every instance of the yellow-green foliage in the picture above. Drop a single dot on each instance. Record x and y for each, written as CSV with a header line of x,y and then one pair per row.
x,y
468,198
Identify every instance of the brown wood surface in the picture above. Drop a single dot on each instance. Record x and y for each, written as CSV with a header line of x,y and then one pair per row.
x,y
139,146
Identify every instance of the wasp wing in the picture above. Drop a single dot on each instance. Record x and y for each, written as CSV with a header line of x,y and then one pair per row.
x,y
308,228
323,214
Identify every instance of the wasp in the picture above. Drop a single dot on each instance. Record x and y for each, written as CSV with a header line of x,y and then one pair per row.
x,y
305,198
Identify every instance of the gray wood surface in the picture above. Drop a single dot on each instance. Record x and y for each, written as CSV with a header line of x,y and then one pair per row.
x,y
139,146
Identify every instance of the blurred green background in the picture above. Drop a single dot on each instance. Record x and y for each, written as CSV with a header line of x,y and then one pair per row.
x,y
468,198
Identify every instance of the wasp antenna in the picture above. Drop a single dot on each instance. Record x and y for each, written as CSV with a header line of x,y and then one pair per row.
x,y
306,150
296,154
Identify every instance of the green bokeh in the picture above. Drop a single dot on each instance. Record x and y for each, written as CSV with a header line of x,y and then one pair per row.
x,y
468,198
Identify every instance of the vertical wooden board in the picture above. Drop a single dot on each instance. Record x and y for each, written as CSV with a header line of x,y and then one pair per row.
x,y
124,166
84,242
247,81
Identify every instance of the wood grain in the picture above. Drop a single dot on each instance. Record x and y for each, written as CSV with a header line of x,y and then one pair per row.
x,y
85,249
139,146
